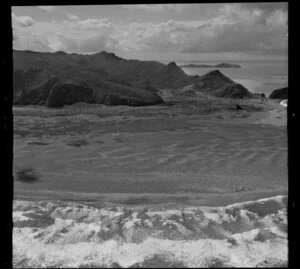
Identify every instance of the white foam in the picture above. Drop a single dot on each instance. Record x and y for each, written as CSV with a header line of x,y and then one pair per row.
x,y
164,214
284,102
278,199
148,223
80,244
192,253
18,216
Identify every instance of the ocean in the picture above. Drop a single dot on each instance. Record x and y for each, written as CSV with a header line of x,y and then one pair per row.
x,y
257,77
67,234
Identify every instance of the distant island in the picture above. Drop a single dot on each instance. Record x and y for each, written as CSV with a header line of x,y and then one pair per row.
x,y
222,65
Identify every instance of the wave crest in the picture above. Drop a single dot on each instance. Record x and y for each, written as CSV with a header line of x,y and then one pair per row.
x,y
78,234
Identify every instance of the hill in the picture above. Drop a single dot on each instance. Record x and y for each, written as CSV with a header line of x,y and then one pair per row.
x,y
216,84
279,94
58,79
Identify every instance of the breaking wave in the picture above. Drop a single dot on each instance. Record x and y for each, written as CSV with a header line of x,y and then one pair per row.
x,y
68,234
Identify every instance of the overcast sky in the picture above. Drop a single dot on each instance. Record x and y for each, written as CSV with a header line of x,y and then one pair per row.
x,y
166,32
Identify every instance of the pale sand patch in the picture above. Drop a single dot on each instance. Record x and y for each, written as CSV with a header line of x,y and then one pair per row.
x,y
276,116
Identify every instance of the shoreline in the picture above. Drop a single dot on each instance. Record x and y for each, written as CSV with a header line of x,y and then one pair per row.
x,y
194,190
48,234
146,199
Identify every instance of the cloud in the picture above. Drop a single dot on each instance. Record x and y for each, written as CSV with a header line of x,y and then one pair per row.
x,y
99,24
55,43
47,8
247,31
22,21
233,28
160,7
267,7
46,43
97,43
161,37
236,29
72,17
81,36
31,43
277,20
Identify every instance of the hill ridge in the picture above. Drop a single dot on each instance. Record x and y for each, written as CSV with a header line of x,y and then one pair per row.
x,y
102,77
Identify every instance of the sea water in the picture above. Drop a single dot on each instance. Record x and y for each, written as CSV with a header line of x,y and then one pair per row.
x,y
257,77
68,234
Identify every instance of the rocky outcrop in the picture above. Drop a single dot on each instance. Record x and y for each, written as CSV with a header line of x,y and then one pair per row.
x,y
279,94
216,84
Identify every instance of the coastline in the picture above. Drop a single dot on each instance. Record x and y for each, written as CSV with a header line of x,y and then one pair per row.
x,y
250,234
222,203
151,199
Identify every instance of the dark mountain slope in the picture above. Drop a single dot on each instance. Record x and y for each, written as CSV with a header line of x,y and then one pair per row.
x,y
139,72
279,94
216,84
56,79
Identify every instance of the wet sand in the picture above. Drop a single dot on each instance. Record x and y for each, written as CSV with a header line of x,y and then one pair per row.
x,y
180,149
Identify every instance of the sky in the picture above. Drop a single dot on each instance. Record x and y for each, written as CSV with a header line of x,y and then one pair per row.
x,y
165,32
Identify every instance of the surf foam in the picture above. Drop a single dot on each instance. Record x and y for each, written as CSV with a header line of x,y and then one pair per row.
x,y
65,234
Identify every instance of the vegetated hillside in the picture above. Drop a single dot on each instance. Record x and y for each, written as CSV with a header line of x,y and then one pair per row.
x,y
56,79
279,94
140,72
216,84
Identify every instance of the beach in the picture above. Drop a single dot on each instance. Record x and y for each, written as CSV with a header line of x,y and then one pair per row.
x,y
150,135
132,150
99,168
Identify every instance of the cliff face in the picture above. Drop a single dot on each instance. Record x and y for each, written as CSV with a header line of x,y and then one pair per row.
x,y
279,94
57,79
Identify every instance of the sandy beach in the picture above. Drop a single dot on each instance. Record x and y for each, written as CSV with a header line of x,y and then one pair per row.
x,y
176,149
190,164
